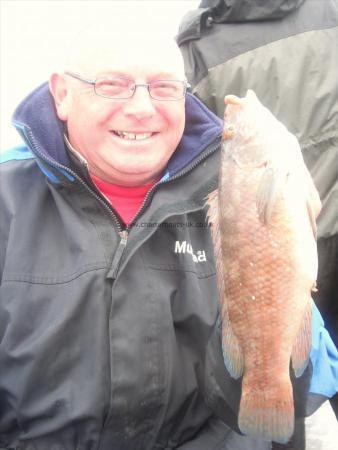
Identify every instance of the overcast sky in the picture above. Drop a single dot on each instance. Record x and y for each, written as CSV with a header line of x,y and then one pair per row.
x,y
35,32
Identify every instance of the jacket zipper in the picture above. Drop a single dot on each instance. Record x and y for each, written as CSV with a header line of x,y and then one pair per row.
x,y
118,254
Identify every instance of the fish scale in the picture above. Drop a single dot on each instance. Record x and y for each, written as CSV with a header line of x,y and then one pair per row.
x,y
263,230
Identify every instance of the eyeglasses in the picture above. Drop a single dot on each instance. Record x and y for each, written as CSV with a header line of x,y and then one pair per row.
x,y
122,88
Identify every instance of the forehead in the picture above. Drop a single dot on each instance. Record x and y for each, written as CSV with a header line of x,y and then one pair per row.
x,y
134,52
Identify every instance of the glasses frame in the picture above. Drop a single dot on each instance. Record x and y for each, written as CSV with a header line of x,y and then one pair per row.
x,y
185,84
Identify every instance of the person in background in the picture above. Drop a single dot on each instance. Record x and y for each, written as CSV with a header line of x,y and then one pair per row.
x,y
109,334
287,52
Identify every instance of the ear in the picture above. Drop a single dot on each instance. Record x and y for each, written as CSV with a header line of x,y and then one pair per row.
x,y
61,93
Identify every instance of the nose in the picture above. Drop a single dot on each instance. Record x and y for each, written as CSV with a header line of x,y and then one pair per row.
x,y
140,105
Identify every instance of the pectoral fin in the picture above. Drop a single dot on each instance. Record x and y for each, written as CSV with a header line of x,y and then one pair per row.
x,y
271,185
232,352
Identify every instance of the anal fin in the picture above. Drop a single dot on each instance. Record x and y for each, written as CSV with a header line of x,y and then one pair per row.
x,y
302,345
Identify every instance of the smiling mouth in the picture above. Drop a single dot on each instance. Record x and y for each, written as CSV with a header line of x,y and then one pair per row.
x,y
133,136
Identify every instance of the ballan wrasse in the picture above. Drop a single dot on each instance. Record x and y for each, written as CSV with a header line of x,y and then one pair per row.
x,y
263,218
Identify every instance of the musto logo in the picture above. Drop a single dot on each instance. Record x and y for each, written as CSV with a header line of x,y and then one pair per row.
x,y
184,247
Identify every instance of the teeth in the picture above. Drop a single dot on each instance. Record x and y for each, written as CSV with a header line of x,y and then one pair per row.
x,y
133,136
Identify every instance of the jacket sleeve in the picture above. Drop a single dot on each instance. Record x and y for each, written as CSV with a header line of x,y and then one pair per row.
x,y
324,359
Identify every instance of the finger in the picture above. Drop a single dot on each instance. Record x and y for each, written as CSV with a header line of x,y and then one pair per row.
x,y
233,100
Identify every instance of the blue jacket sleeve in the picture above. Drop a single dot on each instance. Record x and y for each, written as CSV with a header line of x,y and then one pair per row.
x,y
324,358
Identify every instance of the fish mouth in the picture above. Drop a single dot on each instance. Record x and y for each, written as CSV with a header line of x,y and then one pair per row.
x,y
133,136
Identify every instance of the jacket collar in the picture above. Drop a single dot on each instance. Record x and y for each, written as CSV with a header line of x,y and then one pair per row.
x,y
37,122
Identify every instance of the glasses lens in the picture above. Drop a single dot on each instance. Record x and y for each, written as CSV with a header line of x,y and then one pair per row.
x,y
167,89
114,87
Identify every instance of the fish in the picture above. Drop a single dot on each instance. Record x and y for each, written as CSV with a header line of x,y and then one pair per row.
x,y
263,226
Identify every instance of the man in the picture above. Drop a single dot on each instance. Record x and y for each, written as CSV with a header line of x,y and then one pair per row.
x,y
108,312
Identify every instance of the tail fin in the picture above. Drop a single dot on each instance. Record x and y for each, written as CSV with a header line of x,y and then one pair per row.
x,y
267,413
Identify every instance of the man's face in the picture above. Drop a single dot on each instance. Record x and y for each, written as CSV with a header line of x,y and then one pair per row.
x,y
126,142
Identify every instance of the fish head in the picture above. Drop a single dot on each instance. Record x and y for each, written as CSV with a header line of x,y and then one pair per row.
x,y
255,139
251,132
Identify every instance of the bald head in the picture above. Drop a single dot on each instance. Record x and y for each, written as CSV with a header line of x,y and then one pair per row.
x,y
108,45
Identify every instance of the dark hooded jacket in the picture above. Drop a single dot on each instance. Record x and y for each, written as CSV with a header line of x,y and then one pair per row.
x,y
287,52
109,337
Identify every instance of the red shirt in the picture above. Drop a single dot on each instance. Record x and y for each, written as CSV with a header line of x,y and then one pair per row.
x,y
125,199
